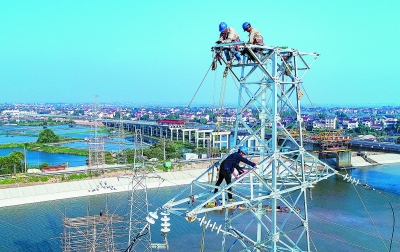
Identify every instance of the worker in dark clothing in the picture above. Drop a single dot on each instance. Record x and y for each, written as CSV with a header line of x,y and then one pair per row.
x,y
228,166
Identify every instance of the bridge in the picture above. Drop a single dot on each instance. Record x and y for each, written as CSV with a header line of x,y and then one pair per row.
x,y
328,145
358,145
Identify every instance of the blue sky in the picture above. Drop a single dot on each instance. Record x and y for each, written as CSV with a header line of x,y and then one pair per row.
x,y
157,52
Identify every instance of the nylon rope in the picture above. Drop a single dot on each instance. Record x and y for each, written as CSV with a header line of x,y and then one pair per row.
x,y
369,215
199,86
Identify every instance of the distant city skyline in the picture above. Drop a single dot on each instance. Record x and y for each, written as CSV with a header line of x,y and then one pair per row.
x,y
157,52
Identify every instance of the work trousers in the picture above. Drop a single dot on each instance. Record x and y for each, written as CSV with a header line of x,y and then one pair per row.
x,y
227,175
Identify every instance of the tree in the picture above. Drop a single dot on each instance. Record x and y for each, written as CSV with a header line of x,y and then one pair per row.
x,y
173,116
341,114
48,136
203,120
117,115
7,163
144,117
398,140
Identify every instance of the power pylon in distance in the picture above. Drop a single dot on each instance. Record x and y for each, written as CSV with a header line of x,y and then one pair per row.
x,y
119,128
270,212
140,218
96,141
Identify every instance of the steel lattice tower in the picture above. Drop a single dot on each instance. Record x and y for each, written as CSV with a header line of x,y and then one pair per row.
x,y
270,83
121,156
96,142
139,230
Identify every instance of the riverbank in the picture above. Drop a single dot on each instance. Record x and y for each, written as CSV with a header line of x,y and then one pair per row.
x,y
118,181
374,159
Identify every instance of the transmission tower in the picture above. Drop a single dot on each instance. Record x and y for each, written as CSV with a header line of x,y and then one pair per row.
x,y
138,225
96,141
270,82
140,218
119,128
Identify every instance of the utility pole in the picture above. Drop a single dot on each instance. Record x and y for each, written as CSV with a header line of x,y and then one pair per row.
x,y
165,157
25,157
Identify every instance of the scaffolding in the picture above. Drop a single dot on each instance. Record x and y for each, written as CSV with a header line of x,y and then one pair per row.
x,y
100,232
270,82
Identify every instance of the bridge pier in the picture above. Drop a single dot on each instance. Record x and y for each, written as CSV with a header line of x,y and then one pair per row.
x,y
343,159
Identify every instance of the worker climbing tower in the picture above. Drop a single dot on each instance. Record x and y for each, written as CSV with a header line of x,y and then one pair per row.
x,y
270,211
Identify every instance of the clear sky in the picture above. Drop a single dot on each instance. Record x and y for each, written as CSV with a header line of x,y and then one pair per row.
x,y
155,52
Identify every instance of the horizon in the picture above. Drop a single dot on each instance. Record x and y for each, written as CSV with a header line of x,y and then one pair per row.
x,y
137,52
199,105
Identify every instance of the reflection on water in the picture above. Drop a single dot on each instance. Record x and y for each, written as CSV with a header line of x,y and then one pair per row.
x,y
36,158
342,217
22,134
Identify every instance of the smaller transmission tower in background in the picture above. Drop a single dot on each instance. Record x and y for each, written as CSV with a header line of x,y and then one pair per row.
x,y
138,226
96,141
119,128
140,218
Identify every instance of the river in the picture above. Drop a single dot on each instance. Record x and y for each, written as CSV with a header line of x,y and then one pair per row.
x,y
22,134
342,216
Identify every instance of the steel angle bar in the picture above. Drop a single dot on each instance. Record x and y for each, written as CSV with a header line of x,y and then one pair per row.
x,y
287,101
252,100
287,94
308,65
261,66
234,74
203,185
265,82
291,89
228,45
242,236
255,66
188,186
288,137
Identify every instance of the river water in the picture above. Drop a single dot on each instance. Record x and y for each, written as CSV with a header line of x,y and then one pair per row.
x,y
342,217
22,134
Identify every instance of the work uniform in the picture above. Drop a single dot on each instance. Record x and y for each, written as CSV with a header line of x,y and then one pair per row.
x,y
228,166
228,37
255,37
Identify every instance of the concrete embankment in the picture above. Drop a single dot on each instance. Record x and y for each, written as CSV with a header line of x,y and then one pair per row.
x,y
375,159
64,190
